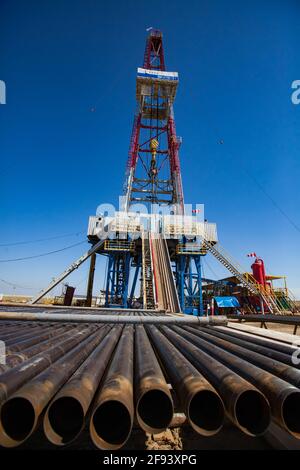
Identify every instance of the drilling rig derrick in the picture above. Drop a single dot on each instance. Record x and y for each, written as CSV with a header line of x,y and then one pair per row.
x,y
153,194
154,247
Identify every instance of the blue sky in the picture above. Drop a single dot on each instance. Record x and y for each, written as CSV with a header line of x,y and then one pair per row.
x,y
59,159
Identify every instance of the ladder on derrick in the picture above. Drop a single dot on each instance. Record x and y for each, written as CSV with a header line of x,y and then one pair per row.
x,y
148,283
247,280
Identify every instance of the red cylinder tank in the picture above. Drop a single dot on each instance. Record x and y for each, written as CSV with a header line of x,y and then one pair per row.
x,y
258,270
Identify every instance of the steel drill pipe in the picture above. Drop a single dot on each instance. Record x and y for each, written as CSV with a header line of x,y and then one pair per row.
x,y
279,369
275,361
14,357
14,347
284,398
154,404
199,400
14,378
34,334
49,307
21,333
113,412
7,325
245,405
10,332
20,414
272,318
87,318
25,344
15,354
66,414
252,338
17,339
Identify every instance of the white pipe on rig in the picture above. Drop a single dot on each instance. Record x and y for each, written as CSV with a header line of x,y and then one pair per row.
x,y
88,318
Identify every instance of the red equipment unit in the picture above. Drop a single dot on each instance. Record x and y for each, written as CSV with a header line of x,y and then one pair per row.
x,y
258,270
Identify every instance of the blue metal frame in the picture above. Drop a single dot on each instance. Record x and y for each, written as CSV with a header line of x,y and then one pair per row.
x,y
189,283
135,279
117,280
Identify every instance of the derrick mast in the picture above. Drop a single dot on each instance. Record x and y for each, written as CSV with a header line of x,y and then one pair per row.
x,y
159,251
153,171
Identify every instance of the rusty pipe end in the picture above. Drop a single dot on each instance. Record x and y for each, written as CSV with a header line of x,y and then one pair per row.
x,y
110,424
205,412
18,420
154,410
64,420
290,413
252,412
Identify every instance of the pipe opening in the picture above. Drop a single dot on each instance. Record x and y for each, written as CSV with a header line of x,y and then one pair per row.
x,y
66,418
17,418
112,424
252,412
291,413
206,412
155,410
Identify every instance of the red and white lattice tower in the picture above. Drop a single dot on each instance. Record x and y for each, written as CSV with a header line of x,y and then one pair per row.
x,y
153,170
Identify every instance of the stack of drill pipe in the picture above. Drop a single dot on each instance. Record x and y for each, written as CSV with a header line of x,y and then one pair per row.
x,y
23,350
245,405
20,333
263,349
19,346
201,403
17,376
21,412
24,337
257,340
284,397
113,411
10,330
66,414
109,375
154,404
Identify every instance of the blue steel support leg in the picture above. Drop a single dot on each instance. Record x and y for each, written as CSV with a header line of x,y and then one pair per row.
x,y
126,279
134,282
181,280
109,281
197,260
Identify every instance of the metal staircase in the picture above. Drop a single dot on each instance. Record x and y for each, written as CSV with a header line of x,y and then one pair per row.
x,y
148,284
247,280
286,300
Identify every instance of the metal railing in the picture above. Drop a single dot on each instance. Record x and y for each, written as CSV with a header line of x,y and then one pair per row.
x,y
119,245
190,249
